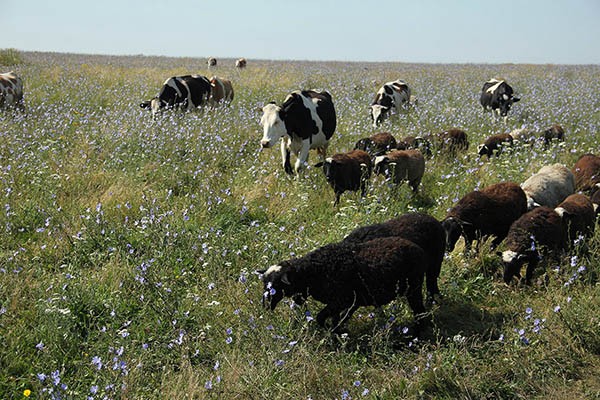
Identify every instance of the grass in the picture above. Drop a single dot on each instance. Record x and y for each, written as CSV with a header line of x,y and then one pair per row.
x,y
129,245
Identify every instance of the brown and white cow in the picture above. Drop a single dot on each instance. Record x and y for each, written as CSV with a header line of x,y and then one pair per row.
x,y
11,90
221,91
240,63
211,62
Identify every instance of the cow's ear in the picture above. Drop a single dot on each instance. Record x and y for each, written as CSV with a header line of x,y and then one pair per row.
x,y
515,99
145,104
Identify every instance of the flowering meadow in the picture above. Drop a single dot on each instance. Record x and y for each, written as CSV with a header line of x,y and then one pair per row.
x,y
129,245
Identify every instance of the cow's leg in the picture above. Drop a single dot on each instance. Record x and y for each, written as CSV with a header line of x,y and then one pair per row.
x,y
302,156
285,157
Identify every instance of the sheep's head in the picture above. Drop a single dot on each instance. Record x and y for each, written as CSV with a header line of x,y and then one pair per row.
x,y
278,283
454,229
513,262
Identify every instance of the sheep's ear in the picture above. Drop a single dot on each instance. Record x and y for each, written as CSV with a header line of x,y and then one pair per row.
x,y
285,279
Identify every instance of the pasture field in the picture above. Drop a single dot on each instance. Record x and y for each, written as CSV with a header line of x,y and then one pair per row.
x,y
130,245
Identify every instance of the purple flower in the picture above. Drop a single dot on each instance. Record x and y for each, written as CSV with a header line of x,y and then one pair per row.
x,y
40,346
97,362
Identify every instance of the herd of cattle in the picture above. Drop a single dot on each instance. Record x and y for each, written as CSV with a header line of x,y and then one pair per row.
x,y
544,215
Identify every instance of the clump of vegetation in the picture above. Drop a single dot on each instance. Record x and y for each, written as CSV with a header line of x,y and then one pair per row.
x,y
10,57
130,244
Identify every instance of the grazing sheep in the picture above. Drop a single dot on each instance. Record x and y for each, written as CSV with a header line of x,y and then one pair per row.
x,y
554,132
494,143
549,186
577,211
539,230
376,145
346,276
452,140
488,212
415,142
348,171
587,172
402,165
421,229
521,134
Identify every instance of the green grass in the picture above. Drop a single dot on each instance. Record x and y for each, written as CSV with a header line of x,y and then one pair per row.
x,y
129,245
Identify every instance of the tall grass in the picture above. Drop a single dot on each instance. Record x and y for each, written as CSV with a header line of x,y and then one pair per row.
x,y
10,57
129,245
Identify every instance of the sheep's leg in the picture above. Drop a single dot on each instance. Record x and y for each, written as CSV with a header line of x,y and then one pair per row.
x,y
533,262
340,318
414,296
328,311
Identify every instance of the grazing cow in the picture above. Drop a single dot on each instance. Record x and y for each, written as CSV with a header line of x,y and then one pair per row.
x,y
186,92
306,120
390,95
497,95
211,62
11,90
221,91
240,63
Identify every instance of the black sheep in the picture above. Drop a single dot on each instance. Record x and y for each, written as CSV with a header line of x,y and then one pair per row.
x,y
415,142
490,211
421,229
346,276
495,143
377,144
348,171
539,230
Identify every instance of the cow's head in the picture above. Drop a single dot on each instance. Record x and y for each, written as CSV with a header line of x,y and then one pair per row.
x,y
273,123
154,105
505,101
378,113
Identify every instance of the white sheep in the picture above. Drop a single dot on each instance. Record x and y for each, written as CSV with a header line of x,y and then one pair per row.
x,y
549,186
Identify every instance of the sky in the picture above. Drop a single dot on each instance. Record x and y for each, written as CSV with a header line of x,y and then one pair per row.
x,y
421,31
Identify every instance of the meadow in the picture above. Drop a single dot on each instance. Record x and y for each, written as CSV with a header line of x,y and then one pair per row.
x,y
130,245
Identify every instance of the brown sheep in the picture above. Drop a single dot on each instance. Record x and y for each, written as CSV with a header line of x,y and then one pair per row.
x,y
554,132
495,143
377,144
577,211
587,173
490,211
452,140
540,229
402,165
348,171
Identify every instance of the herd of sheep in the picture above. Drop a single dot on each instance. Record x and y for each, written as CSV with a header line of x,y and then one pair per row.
x,y
539,218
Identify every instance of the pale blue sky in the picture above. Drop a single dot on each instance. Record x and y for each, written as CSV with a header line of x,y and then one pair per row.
x,y
518,31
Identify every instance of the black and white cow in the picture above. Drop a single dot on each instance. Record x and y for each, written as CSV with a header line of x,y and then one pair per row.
x,y
497,95
390,95
11,90
186,92
306,120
